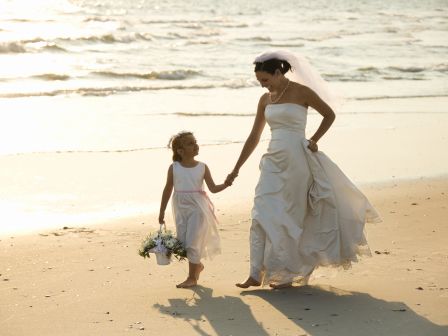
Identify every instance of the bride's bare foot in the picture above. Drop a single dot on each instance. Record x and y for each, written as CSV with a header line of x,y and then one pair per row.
x,y
190,282
200,269
281,286
304,281
248,283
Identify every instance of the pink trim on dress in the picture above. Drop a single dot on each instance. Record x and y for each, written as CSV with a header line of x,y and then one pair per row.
x,y
202,192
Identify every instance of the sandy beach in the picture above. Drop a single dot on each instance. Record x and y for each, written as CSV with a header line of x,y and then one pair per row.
x,y
90,93
90,280
69,262
70,266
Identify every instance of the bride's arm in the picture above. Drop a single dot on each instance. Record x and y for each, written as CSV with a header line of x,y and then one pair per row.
x,y
253,138
313,100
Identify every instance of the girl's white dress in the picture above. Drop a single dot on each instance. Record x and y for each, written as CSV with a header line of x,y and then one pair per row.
x,y
306,212
193,212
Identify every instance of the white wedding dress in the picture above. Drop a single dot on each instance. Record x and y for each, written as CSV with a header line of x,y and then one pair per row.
x,y
306,212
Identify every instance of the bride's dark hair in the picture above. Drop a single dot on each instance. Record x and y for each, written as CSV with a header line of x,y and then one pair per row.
x,y
271,65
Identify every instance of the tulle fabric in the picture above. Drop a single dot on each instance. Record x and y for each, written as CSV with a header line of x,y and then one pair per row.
x,y
303,73
306,212
196,224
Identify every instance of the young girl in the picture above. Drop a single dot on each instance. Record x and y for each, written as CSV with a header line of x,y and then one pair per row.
x,y
192,209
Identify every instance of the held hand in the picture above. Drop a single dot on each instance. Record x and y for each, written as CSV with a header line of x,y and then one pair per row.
x,y
312,146
229,181
230,178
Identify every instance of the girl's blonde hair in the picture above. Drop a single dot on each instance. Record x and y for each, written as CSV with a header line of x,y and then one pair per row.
x,y
175,143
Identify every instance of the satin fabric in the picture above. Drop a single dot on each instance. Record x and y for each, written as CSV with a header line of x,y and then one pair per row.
x,y
306,212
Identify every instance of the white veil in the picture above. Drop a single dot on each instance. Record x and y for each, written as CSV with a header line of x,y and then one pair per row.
x,y
303,73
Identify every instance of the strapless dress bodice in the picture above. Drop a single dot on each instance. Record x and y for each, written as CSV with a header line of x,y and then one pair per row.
x,y
287,116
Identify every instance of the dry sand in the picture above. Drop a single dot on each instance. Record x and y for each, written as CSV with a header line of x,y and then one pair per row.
x,y
90,281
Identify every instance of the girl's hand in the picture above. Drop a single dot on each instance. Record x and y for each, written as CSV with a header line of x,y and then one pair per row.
x,y
162,219
312,146
230,178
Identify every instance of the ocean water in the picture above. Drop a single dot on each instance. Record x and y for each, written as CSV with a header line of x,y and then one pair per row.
x,y
100,77
108,75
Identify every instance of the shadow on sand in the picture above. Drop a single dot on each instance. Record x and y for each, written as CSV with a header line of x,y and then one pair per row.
x,y
227,315
325,310
317,310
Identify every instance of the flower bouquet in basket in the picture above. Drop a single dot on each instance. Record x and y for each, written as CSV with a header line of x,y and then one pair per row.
x,y
164,245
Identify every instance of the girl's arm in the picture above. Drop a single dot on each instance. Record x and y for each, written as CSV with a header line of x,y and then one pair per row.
x,y
211,184
166,195
313,100
253,138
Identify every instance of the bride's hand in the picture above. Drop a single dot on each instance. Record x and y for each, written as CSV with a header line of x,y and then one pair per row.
x,y
312,146
230,178
228,182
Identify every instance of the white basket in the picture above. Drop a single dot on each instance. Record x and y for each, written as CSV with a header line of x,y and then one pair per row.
x,y
162,259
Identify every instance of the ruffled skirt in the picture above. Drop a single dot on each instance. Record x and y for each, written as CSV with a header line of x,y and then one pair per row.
x,y
306,213
196,225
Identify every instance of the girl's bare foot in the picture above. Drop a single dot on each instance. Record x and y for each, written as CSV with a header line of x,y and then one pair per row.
x,y
190,282
281,286
248,283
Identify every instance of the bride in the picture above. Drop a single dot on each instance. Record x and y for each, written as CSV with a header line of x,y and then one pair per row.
x,y
306,212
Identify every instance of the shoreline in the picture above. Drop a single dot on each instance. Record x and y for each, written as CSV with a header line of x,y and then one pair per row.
x,y
82,189
51,190
90,280
152,129
221,205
